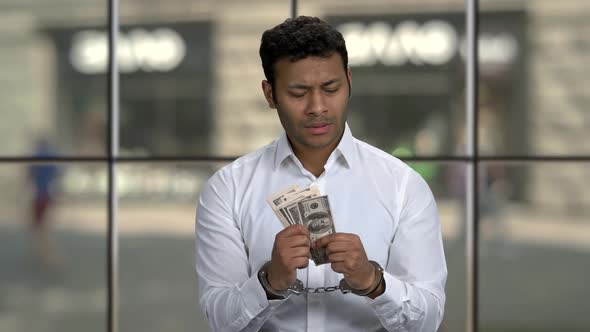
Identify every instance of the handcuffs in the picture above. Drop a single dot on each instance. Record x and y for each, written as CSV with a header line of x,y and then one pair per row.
x,y
298,288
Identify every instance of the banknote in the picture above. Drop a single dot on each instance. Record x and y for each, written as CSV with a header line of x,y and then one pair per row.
x,y
306,206
275,200
290,206
315,213
281,200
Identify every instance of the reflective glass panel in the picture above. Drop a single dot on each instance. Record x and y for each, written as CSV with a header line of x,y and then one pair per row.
x,y
53,78
190,77
53,248
407,69
533,78
534,247
158,284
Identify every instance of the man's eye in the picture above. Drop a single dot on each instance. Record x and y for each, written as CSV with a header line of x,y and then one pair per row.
x,y
297,95
331,90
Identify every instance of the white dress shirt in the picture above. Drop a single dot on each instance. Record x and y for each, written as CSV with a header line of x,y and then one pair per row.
x,y
371,194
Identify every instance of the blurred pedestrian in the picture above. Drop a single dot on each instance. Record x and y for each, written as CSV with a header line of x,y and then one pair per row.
x,y
43,178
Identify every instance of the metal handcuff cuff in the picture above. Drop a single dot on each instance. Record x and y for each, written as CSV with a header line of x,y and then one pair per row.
x,y
298,288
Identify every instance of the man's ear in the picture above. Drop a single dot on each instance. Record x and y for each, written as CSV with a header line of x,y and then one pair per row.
x,y
267,90
349,76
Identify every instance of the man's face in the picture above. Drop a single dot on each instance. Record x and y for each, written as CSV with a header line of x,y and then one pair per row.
x,y
312,96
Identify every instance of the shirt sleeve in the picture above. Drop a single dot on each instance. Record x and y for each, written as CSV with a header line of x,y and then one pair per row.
x,y
416,270
230,293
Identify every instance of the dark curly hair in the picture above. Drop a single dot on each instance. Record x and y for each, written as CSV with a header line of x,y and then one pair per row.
x,y
298,38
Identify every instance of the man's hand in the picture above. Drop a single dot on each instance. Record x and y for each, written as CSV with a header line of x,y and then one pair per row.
x,y
289,253
348,256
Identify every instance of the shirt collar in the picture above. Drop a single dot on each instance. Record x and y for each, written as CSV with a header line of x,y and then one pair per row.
x,y
345,148
283,150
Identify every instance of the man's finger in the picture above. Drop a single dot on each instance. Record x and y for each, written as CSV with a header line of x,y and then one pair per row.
x,y
339,267
293,230
337,258
345,237
299,252
301,262
297,241
338,247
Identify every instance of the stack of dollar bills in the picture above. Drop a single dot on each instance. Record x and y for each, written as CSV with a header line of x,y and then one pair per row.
x,y
305,207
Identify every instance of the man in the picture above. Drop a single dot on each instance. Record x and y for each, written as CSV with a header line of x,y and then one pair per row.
x,y
383,212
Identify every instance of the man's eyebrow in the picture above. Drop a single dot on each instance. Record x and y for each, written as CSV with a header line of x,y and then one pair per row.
x,y
336,80
303,86
298,86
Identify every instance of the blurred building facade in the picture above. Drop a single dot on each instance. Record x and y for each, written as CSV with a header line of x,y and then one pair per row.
x,y
190,79
190,86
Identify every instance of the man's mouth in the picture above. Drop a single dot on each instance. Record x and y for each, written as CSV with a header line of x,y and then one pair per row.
x,y
318,128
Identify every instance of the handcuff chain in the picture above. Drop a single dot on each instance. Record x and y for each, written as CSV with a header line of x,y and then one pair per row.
x,y
298,288
321,290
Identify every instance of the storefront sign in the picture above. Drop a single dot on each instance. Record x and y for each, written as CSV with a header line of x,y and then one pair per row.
x,y
154,50
434,42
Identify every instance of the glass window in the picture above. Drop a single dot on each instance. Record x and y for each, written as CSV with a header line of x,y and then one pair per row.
x,y
42,60
448,190
52,248
190,78
158,285
533,99
407,76
534,249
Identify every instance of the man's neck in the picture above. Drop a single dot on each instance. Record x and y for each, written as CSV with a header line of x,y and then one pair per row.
x,y
313,160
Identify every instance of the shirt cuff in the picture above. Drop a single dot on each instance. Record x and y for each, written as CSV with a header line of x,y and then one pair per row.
x,y
392,299
254,297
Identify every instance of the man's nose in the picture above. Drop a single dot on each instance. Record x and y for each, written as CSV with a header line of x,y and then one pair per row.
x,y
317,103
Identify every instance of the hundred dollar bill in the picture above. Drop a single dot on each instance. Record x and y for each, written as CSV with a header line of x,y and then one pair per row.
x,y
291,196
290,207
315,213
275,200
279,201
